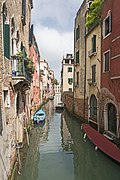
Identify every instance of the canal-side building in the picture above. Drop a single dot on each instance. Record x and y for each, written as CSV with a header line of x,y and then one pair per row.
x,y
109,100
46,80
15,79
67,73
93,72
80,98
35,65
57,88
51,75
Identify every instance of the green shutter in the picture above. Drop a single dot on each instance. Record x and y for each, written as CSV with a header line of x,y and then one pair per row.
x,y
77,57
6,40
94,43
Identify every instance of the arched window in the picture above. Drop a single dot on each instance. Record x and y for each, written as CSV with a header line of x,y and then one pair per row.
x,y
93,107
112,122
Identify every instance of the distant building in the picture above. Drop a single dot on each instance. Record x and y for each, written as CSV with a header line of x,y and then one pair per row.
x,y
46,80
67,73
80,98
57,88
35,58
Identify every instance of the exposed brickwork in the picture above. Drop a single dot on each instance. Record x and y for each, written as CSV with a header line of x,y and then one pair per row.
x,y
110,80
75,106
17,113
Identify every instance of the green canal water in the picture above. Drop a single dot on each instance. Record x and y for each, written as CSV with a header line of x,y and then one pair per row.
x,y
58,151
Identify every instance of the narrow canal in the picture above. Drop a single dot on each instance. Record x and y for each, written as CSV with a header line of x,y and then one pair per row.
x,y
58,151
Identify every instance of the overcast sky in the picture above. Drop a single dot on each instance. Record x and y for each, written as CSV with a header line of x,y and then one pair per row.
x,y
53,22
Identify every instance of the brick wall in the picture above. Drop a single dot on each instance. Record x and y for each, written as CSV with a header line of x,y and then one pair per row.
x,y
75,106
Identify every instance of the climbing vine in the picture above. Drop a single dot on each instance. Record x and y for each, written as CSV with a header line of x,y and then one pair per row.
x,y
94,13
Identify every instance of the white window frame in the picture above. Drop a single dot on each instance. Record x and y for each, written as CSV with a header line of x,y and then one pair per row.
x,y
108,15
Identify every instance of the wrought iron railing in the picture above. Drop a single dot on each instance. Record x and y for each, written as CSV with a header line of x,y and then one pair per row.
x,y
20,69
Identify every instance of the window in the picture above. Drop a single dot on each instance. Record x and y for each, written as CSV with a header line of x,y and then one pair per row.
x,y
93,107
93,73
107,24
70,80
66,61
112,120
30,34
77,57
6,33
77,78
106,61
69,69
77,32
72,61
23,12
12,25
94,43
6,98
70,89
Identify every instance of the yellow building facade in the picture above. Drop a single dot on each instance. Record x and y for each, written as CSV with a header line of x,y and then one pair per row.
x,y
93,71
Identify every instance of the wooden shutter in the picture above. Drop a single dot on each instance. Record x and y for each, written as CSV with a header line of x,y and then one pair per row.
x,y
77,57
110,22
94,43
30,34
93,73
23,11
6,34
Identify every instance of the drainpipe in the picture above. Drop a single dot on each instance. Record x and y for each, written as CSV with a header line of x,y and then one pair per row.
x,y
84,106
74,73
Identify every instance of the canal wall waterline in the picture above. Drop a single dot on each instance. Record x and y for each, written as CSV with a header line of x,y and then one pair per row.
x,y
75,106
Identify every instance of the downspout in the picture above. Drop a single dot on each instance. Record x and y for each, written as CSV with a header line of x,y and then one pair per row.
x,y
84,106
74,73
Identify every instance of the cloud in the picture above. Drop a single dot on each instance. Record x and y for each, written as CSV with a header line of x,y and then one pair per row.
x,y
61,12
53,46
53,27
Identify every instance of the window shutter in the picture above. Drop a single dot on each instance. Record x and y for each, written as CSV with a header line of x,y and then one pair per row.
x,y
110,22
23,11
6,40
77,32
77,57
93,73
94,43
30,34
23,7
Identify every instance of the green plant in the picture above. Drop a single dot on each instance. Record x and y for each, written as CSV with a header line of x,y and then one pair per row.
x,y
94,13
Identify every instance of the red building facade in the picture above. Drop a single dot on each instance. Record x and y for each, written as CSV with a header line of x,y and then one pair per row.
x,y
109,97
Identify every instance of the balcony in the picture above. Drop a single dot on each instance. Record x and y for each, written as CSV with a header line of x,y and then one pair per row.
x,y
91,82
22,70
91,53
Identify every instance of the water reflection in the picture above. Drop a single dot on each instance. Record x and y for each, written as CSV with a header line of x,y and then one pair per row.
x,y
58,152
89,164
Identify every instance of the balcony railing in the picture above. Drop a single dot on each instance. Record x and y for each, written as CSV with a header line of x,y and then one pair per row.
x,y
20,69
91,53
91,82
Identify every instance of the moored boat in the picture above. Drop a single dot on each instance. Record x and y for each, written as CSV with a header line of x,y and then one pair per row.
x,y
39,116
102,142
59,106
